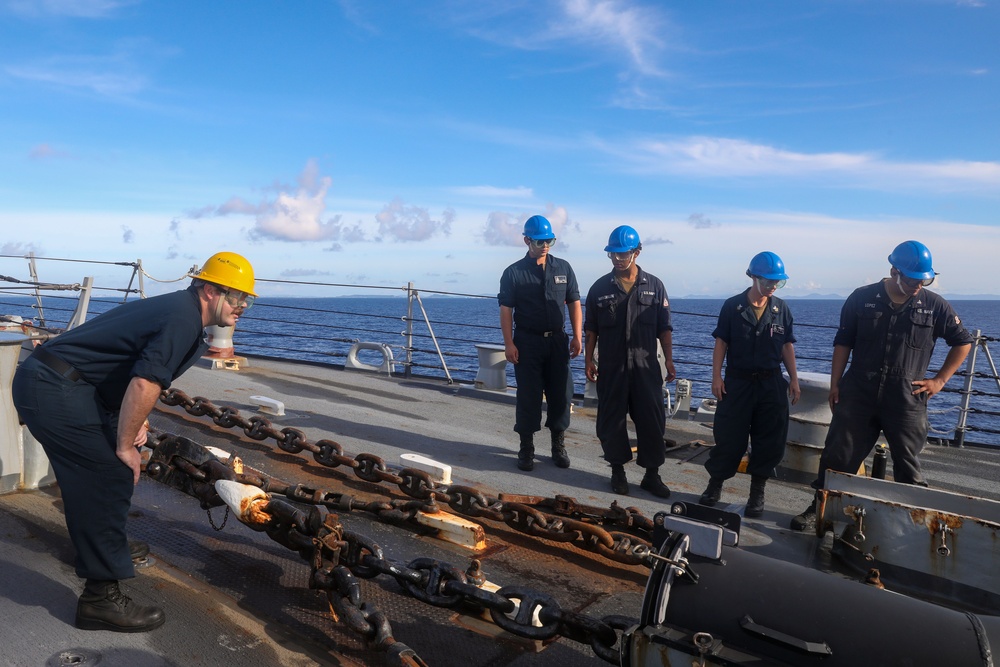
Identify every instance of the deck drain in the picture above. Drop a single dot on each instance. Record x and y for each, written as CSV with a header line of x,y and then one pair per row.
x,y
74,657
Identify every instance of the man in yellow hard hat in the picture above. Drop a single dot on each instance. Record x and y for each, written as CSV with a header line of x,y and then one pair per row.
x,y
85,396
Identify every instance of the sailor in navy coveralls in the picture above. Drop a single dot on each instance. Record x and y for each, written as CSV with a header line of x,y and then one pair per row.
x,y
85,396
534,294
888,330
755,336
627,314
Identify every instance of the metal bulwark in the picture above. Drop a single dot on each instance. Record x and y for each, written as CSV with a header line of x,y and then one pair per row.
x,y
942,545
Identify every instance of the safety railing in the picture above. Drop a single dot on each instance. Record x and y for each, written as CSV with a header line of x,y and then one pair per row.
x,y
435,334
969,390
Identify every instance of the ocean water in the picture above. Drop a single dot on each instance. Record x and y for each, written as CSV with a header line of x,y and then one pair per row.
x,y
323,330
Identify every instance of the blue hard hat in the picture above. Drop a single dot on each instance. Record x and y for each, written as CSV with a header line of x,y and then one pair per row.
x,y
623,239
767,265
538,228
913,260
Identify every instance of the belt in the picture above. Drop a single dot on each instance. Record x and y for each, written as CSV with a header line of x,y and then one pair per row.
x,y
58,364
747,374
545,334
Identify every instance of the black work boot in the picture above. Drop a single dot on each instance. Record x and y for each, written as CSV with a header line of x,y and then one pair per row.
x,y
103,606
619,483
755,505
806,520
526,455
137,549
651,482
559,455
712,493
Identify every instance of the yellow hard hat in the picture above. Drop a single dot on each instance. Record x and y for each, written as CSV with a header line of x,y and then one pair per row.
x,y
229,270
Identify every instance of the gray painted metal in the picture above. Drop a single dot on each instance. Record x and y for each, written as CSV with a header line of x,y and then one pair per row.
x,y
948,539
268,585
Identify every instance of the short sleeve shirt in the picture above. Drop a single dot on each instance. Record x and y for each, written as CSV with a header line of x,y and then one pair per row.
x,y
156,339
884,339
538,294
627,325
754,344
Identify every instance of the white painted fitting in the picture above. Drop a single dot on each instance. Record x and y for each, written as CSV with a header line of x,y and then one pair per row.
x,y
440,472
268,405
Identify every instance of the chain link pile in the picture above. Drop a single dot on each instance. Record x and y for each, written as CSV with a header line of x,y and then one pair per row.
x,y
566,522
339,558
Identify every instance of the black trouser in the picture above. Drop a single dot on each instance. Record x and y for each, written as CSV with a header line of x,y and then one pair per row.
x,y
884,403
636,393
753,410
542,365
79,437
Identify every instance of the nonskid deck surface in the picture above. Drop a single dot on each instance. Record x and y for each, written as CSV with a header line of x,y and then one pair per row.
x,y
39,590
235,594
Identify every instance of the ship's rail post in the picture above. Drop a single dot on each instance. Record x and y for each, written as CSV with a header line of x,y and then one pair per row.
x,y
135,277
989,358
410,292
82,304
963,411
430,330
38,293
981,341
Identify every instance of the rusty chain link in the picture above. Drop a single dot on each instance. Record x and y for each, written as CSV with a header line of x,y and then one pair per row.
x,y
338,558
566,522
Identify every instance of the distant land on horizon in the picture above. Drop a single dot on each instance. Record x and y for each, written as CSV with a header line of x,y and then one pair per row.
x,y
711,297
950,297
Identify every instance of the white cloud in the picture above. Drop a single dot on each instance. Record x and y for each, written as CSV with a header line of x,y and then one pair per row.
x,y
294,216
303,273
18,248
45,152
701,221
290,216
717,157
507,229
71,75
411,223
504,229
298,215
70,8
494,192
630,28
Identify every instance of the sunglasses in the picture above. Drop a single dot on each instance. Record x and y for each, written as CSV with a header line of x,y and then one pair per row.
x,y
923,282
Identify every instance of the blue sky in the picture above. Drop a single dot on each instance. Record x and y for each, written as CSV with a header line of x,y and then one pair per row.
x,y
375,142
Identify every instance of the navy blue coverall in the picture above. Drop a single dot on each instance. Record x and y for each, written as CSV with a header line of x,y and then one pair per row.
x,y
630,380
538,296
755,404
69,392
891,347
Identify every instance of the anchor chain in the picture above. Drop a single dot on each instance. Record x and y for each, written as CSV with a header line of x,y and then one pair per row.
x,y
569,522
339,558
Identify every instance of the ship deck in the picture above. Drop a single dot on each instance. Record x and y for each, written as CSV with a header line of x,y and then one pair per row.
x,y
234,595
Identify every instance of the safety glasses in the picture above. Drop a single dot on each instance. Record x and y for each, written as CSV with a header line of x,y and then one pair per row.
x,y
621,256
543,243
769,284
238,299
